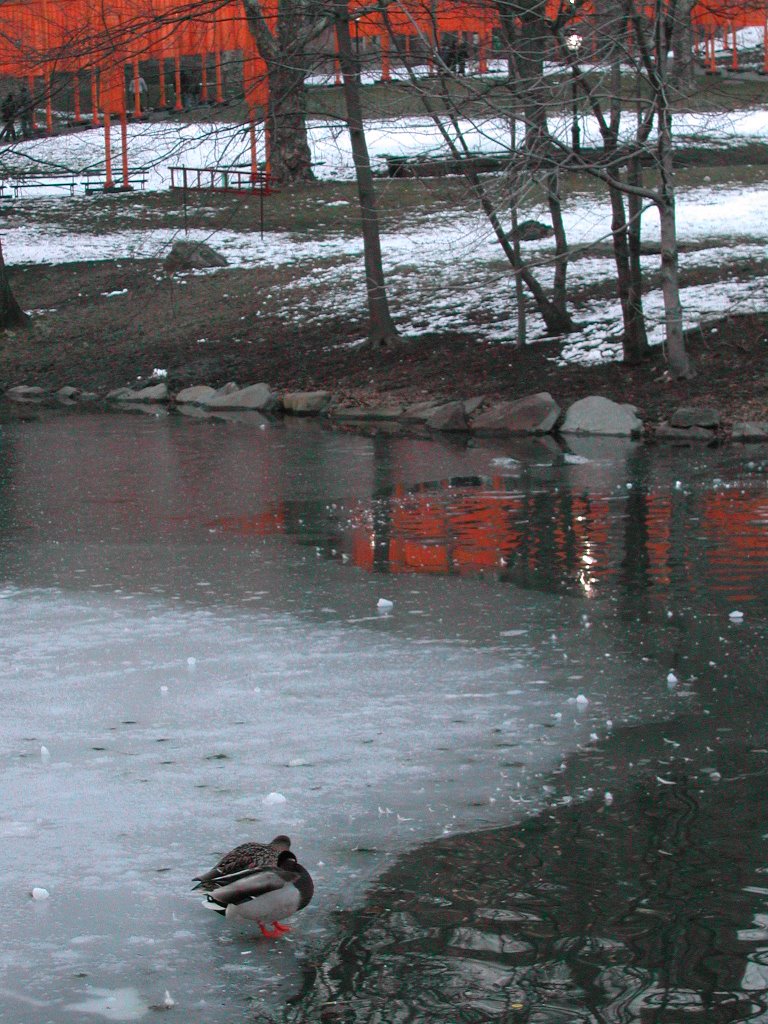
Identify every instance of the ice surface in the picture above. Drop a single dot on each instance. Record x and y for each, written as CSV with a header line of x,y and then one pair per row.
x,y
379,733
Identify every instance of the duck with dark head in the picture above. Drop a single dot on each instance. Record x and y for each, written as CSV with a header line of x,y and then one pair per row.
x,y
265,895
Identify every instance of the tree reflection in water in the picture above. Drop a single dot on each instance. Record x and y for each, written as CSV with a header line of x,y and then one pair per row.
x,y
651,909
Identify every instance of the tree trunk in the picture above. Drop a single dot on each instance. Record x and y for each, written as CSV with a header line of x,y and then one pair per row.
x,y
11,313
290,158
285,53
382,332
681,33
525,28
635,295
559,294
679,363
634,339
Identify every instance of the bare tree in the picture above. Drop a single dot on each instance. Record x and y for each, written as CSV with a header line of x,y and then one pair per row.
x,y
11,313
449,100
285,47
382,332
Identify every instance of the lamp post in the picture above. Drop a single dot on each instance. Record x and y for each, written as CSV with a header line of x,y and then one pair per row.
x,y
573,43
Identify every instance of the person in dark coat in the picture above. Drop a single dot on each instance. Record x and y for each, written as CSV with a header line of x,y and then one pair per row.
x,y
8,114
25,111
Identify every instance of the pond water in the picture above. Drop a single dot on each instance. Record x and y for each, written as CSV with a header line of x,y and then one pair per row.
x,y
530,787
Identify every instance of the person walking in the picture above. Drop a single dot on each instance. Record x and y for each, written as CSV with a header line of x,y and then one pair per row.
x,y
25,111
8,114
142,87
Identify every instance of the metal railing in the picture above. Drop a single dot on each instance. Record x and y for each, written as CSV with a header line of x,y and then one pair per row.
x,y
221,179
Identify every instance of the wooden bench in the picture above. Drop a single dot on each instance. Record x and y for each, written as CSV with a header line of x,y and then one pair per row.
x,y
438,166
12,185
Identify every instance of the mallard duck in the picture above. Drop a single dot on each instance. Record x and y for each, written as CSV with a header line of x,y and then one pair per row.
x,y
264,895
246,857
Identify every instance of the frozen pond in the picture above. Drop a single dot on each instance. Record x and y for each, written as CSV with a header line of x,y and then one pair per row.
x,y
192,656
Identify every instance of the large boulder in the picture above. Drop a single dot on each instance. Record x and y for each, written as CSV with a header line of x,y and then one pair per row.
x,y
152,393
67,393
24,392
306,403
449,417
192,256
749,430
666,432
371,414
597,415
420,412
695,417
536,414
260,397
198,394
533,230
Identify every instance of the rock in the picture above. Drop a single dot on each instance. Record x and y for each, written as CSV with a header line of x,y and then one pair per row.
x,y
119,395
420,412
749,430
153,393
536,414
450,416
67,392
597,415
192,256
533,230
226,389
471,405
23,391
666,432
692,417
196,395
306,403
260,397
377,412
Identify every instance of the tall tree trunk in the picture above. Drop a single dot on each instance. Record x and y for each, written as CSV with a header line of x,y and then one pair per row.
x,y
382,332
290,158
285,52
559,294
679,363
11,313
634,232
634,340
521,335
681,32
525,28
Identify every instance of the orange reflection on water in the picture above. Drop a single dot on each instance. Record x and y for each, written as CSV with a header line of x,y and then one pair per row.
x,y
268,521
716,540
736,524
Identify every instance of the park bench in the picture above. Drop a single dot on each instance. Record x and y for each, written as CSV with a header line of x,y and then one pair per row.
x,y
12,184
426,165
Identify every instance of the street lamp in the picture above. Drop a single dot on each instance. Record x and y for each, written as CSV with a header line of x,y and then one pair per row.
x,y
573,43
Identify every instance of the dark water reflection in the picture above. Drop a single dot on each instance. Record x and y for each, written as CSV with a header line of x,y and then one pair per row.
x,y
651,908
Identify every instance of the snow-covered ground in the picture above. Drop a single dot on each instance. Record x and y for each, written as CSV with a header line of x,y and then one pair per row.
x,y
156,146
441,269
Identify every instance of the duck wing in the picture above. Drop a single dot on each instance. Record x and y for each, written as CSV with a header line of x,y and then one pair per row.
x,y
251,884
246,857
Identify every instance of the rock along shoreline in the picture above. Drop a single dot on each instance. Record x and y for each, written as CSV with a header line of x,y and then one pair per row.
x,y
533,415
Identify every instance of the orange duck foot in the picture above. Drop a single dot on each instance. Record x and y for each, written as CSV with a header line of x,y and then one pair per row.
x,y
277,930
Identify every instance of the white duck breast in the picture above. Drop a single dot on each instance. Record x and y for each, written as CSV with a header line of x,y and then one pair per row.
x,y
270,906
265,895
